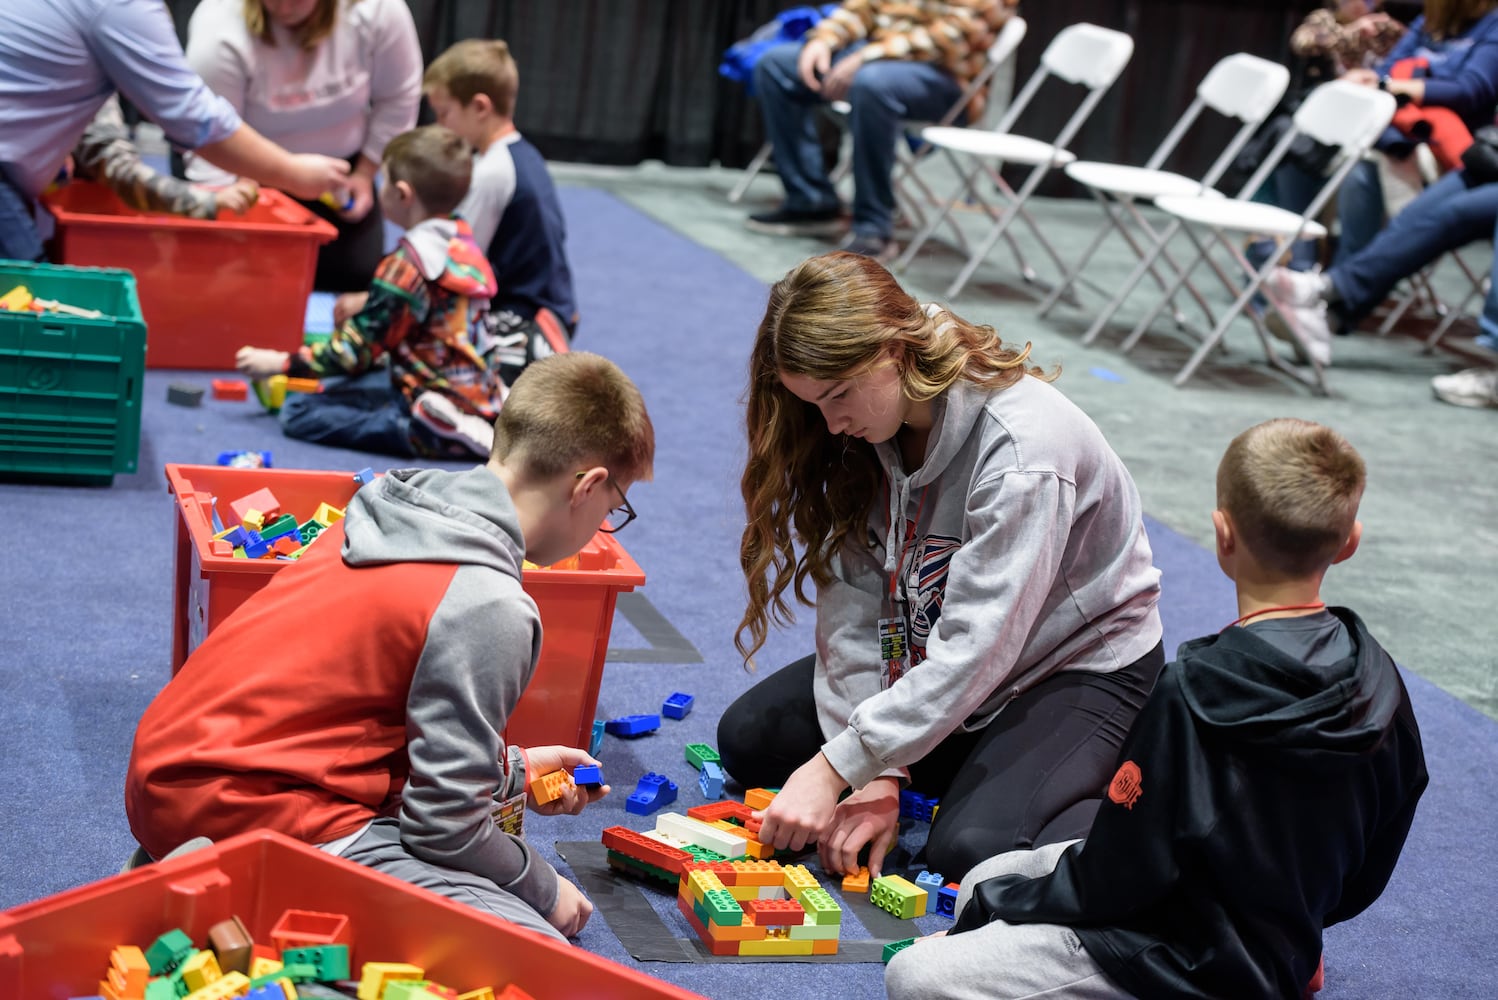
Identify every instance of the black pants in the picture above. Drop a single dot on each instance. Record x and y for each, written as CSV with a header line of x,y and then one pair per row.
x,y
1035,775
348,263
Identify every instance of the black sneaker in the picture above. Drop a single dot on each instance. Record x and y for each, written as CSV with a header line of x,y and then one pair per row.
x,y
798,221
880,248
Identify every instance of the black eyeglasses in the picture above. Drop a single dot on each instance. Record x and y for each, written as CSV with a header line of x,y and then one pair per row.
x,y
617,517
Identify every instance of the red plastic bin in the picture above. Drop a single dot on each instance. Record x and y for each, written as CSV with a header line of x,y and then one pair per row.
x,y
207,286
59,947
576,605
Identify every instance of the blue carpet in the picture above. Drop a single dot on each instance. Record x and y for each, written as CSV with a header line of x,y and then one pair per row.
x,y
89,604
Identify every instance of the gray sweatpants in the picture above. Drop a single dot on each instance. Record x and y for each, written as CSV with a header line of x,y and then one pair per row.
x,y
379,847
1002,961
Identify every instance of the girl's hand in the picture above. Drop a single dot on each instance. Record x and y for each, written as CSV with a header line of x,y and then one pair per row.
x,y
870,816
803,809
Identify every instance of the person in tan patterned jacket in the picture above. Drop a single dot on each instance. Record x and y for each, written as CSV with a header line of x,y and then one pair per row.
x,y
891,62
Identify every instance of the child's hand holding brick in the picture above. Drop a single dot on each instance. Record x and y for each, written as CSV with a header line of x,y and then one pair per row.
x,y
261,362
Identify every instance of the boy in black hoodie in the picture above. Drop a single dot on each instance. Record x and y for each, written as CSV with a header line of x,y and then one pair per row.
x,y
1264,792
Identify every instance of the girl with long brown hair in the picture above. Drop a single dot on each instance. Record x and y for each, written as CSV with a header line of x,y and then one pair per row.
x,y
985,594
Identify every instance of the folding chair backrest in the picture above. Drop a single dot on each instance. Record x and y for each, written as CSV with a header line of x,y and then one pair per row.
x,y
1083,54
1088,55
1240,86
1347,115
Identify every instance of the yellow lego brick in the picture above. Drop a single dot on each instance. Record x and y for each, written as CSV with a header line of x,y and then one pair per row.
x,y
200,970
743,892
482,993
253,520
775,946
758,798
328,514
263,966
703,882
231,984
374,975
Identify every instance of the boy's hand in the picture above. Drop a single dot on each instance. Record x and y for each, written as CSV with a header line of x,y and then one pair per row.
x,y
348,305
239,196
261,362
572,910
361,192
544,760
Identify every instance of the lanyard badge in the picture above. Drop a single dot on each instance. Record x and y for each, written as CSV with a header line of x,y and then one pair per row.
x,y
894,649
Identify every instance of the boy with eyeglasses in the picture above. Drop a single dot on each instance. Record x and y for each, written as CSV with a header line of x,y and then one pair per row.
x,y
357,702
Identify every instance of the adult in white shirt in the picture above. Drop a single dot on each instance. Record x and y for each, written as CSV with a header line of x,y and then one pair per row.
x,y
338,77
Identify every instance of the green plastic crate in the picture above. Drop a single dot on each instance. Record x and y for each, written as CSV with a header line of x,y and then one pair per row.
x,y
70,387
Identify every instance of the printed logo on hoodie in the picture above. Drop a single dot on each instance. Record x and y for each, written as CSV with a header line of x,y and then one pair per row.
x,y
935,560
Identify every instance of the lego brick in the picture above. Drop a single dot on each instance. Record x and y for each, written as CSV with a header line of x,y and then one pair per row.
x,y
639,869
828,947
230,388
857,882
184,394
632,844
168,951
128,971
774,912
232,944
327,514
775,946
374,975
199,970
587,774
758,798
300,928
817,932
677,705
653,792
595,742
899,896
233,984
330,960
699,752
914,805
714,811
550,787
895,947
632,726
758,873
946,900
820,907
930,881
702,834
714,947
262,500
711,780
364,476
246,459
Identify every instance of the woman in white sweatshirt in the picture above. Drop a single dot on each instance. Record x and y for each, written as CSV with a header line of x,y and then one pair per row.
x,y
338,77
985,593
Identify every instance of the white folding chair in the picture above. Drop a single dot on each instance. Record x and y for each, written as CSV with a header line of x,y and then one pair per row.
x,y
1241,87
1339,114
1082,54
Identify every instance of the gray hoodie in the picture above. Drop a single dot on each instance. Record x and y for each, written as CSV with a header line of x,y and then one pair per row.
x,y
1030,557
482,643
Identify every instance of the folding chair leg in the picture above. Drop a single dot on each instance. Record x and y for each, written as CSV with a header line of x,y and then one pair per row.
x,y
1136,334
1070,277
980,253
936,220
750,172
1130,283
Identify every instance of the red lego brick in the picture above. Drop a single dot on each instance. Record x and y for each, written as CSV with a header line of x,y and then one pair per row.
x,y
262,500
774,912
713,945
643,848
230,388
733,812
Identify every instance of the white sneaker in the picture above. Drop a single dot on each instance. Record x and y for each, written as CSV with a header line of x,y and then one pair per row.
x,y
442,417
1297,296
1475,387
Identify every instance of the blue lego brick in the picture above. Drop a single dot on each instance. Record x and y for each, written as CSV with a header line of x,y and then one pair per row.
x,y
237,536
946,901
587,774
364,475
245,459
914,805
255,546
596,743
630,726
711,779
653,792
930,881
677,705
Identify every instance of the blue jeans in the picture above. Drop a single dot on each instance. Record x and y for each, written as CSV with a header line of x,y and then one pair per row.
x,y
1360,210
1447,215
884,93
18,236
1292,189
365,413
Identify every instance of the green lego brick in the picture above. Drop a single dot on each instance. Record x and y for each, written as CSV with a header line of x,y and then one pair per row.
x,y
404,989
821,907
899,896
160,988
699,752
330,960
703,853
723,908
168,951
638,867
895,947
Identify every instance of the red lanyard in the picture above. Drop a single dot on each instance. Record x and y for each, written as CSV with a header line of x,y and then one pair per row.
x,y
910,531
1317,606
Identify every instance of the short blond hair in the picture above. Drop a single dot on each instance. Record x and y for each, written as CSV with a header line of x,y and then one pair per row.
x,y
477,66
436,161
570,410
1291,488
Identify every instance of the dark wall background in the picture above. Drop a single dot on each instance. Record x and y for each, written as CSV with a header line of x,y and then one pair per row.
x,y
621,81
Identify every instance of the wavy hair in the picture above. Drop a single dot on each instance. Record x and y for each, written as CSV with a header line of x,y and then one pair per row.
x,y
832,318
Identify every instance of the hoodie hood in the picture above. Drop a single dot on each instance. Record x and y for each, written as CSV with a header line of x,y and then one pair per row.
x,y
434,515
1243,688
447,255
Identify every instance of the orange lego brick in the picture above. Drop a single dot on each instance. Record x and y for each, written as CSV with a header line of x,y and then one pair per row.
x,y
758,798
826,947
713,947
857,882
550,787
